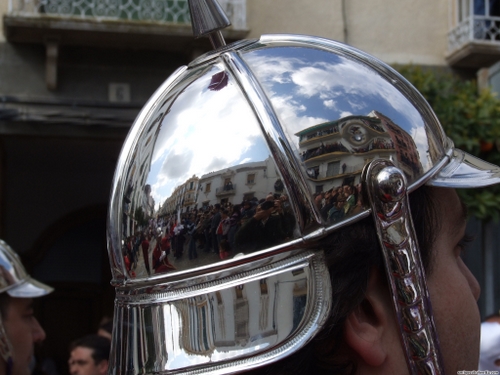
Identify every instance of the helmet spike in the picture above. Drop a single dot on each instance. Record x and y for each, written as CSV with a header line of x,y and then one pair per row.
x,y
208,18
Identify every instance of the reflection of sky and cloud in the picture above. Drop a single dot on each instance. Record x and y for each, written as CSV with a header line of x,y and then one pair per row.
x,y
204,131
309,86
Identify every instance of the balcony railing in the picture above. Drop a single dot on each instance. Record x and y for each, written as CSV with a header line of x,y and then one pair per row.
x,y
226,190
474,42
159,11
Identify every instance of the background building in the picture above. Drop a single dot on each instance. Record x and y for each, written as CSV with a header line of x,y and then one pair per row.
x,y
242,182
74,74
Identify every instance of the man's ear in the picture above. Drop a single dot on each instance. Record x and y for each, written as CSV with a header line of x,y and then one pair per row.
x,y
368,325
102,367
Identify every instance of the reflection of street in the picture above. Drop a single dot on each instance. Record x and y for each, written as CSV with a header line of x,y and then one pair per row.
x,y
180,264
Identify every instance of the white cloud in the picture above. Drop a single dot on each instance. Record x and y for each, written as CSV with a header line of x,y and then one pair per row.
x,y
204,131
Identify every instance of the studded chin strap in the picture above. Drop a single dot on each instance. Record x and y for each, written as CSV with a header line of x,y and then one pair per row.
x,y
387,190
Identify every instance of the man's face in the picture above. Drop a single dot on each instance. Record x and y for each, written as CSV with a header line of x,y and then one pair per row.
x,y
82,363
23,330
453,289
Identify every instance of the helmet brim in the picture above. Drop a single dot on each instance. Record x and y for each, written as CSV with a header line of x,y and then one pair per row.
x,y
30,288
466,171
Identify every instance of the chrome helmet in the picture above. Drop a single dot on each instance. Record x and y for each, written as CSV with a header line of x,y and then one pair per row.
x,y
15,281
267,126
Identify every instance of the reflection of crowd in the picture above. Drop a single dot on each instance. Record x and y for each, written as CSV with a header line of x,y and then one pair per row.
x,y
266,223
323,149
339,202
320,133
141,243
227,229
221,229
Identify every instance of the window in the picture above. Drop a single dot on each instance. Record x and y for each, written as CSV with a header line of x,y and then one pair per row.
x,y
482,14
333,168
251,178
228,185
191,185
207,187
313,172
248,196
482,7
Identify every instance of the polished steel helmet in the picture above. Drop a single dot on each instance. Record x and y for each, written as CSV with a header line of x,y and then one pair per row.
x,y
15,281
246,159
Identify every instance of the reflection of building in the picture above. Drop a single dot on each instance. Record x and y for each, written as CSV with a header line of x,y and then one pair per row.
x,y
183,198
191,193
259,311
235,184
405,146
139,204
335,152
148,203
230,185
173,202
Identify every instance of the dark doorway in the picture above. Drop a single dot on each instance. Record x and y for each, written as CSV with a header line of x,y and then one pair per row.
x,y
71,256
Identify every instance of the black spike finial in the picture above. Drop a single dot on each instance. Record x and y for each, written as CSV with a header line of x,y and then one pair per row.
x,y
208,18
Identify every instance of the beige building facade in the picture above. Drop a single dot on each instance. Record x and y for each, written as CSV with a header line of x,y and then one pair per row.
x,y
395,31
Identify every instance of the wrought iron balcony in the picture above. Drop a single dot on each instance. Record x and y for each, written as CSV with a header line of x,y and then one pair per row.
x,y
112,21
474,42
189,202
225,190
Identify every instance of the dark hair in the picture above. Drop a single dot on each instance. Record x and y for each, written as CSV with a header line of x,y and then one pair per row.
x,y
100,346
351,253
4,304
267,205
107,326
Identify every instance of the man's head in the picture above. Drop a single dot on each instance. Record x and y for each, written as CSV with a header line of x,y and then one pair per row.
x,y
22,330
89,355
19,329
361,333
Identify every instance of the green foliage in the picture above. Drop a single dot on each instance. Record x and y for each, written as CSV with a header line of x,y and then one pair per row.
x,y
471,119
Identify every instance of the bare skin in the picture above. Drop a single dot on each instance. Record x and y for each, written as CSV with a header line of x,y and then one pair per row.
x,y
23,331
371,330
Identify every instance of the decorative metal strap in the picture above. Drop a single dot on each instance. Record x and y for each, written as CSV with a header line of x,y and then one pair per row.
x,y
386,186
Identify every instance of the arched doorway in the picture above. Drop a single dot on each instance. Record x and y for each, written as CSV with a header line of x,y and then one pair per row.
x,y
71,256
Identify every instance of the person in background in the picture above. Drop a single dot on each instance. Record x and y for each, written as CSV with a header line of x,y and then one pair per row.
x,y
89,355
105,328
19,329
